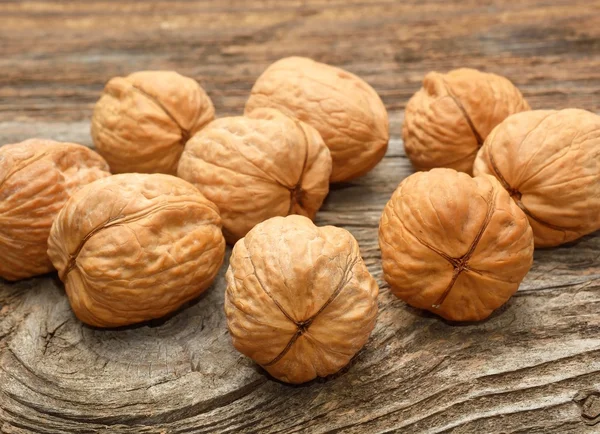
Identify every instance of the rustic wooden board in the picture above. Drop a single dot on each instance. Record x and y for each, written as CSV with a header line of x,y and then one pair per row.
x,y
534,366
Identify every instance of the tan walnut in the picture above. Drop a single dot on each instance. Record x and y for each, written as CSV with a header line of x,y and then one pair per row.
x,y
345,110
142,122
37,177
549,162
454,245
133,247
299,301
256,167
447,120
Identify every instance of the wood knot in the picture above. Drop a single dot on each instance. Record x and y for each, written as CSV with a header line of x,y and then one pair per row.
x,y
590,407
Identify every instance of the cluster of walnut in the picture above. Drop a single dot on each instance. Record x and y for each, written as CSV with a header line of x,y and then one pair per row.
x,y
460,246
139,243
300,301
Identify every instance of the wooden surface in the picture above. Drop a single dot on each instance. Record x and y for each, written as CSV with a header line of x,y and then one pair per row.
x,y
533,367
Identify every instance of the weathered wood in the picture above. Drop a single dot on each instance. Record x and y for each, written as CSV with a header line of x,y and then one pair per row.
x,y
534,366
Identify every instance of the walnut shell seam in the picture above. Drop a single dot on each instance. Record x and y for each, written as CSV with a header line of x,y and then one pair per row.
x,y
185,134
295,190
459,264
461,107
24,164
515,194
302,326
115,221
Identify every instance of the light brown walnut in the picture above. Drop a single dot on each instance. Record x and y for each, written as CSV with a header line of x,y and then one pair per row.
x,y
345,110
134,247
454,245
256,167
549,162
37,177
142,122
447,120
299,299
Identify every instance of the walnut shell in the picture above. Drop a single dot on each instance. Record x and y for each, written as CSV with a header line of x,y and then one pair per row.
x,y
37,177
134,247
299,300
257,167
345,110
454,245
447,120
549,161
142,122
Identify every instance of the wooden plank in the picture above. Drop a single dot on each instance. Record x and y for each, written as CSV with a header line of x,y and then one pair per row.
x,y
534,366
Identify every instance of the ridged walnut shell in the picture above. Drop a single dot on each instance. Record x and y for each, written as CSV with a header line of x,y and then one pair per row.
x,y
454,245
447,120
549,161
142,122
345,110
134,247
299,301
256,167
37,177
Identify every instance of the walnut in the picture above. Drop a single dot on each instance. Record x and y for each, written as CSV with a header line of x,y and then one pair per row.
x,y
134,247
345,110
549,162
257,167
37,177
299,300
143,121
447,120
454,245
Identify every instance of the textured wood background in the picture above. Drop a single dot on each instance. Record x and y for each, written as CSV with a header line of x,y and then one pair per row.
x,y
533,367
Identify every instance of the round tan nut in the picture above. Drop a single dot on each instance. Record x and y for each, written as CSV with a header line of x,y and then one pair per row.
x,y
142,122
256,167
345,110
447,120
454,245
549,162
299,301
134,247
37,177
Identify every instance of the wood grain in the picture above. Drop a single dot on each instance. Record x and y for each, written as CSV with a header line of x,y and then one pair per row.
x,y
533,367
